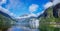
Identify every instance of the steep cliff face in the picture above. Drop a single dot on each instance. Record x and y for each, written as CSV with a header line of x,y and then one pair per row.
x,y
56,10
52,21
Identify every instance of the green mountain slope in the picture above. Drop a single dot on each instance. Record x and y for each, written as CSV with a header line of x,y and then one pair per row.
x,y
5,22
49,23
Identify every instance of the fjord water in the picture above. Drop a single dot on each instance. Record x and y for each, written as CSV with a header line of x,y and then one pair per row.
x,y
22,25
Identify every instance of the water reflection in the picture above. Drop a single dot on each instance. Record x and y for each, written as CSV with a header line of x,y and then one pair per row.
x,y
25,24
18,28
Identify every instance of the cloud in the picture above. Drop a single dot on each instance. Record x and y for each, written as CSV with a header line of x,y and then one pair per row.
x,y
28,15
56,2
33,7
6,11
16,5
3,1
47,5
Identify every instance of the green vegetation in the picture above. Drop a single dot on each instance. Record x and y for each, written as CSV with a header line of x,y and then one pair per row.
x,y
5,22
49,23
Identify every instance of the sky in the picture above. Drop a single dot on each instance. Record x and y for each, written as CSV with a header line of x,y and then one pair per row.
x,y
21,7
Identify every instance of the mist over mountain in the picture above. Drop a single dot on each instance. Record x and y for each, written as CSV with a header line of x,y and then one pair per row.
x,y
5,14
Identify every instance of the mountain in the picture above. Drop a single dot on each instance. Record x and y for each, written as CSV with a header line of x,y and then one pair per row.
x,y
5,14
56,11
5,21
31,22
51,22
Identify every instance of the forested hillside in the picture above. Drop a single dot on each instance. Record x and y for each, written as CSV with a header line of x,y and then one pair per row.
x,y
5,22
49,22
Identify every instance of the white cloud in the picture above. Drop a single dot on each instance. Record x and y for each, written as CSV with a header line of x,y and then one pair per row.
x,y
6,11
47,5
56,2
31,15
33,7
15,5
3,1
28,15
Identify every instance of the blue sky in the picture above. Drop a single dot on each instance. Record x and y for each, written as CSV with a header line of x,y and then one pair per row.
x,y
20,7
